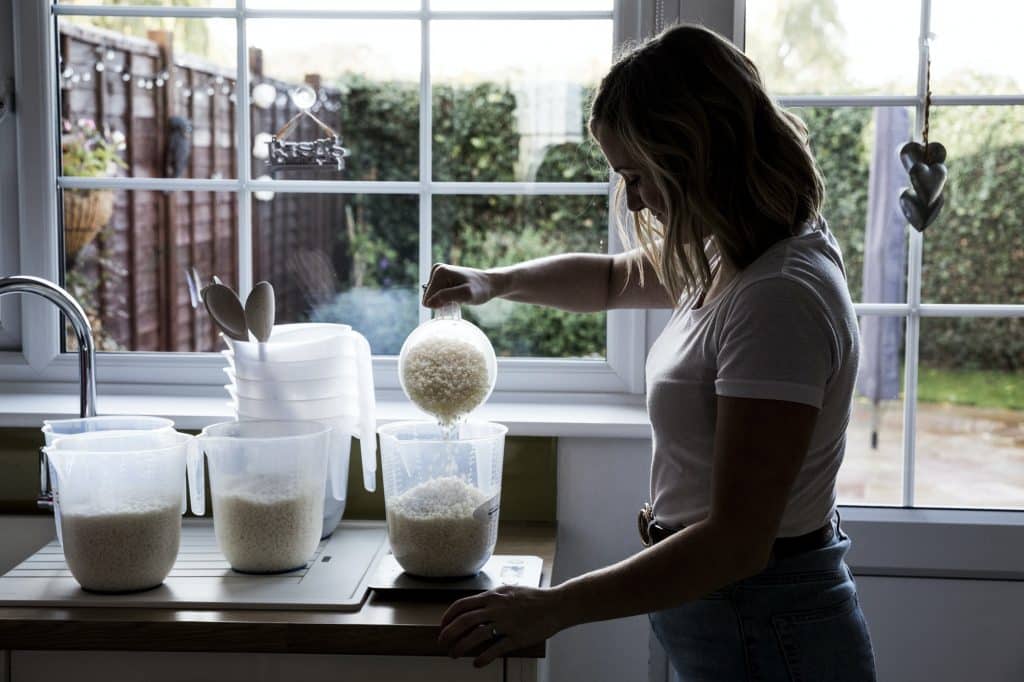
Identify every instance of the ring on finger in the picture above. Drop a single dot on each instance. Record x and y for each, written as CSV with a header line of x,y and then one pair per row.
x,y
494,633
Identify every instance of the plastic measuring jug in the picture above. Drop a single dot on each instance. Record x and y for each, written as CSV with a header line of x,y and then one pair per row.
x,y
58,428
297,341
121,501
62,428
337,350
338,458
310,389
267,481
318,408
442,496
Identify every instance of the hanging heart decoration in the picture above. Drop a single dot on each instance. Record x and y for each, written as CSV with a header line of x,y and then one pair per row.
x,y
917,213
925,164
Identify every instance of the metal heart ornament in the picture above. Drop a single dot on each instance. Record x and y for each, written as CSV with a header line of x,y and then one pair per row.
x,y
927,170
918,213
914,152
928,179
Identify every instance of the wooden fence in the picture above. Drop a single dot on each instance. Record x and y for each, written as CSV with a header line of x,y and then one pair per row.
x,y
139,262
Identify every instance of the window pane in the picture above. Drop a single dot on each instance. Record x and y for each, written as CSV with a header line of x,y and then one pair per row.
x,y
974,252
825,47
523,5
375,5
499,109
872,469
351,259
366,74
158,3
147,97
127,254
972,56
487,231
970,418
854,148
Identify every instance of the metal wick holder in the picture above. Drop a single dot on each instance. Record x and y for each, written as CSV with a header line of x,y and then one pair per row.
x,y
325,153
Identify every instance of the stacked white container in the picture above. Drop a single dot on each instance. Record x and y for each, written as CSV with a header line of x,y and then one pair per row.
x,y
315,372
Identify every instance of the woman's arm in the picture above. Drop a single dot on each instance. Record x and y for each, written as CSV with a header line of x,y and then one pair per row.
x,y
577,282
760,446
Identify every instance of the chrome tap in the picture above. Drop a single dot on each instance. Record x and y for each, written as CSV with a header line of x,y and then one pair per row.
x,y
25,284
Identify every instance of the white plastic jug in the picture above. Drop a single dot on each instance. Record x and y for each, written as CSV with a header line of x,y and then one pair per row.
x,y
121,496
65,428
340,353
267,481
59,428
442,494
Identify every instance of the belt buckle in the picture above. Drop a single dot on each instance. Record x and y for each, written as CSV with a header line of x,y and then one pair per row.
x,y
643,521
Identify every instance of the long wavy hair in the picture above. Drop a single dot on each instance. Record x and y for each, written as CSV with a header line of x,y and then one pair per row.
x,y
734,170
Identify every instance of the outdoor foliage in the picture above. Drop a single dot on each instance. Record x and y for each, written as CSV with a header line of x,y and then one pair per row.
x,y
87,151
974,252
839,143
475,138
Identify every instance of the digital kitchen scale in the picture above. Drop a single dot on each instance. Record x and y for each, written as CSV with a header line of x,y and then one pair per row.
x,y
390,580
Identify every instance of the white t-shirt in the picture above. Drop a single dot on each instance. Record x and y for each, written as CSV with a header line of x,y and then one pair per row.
x,y
784,328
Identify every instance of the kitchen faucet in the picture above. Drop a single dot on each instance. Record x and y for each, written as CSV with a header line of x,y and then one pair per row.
x,y
25,284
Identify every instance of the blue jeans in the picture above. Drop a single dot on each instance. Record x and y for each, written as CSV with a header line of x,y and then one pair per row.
x,y
797,621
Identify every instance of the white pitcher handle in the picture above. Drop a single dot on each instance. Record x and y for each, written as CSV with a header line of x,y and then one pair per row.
x,y
367,411
196,477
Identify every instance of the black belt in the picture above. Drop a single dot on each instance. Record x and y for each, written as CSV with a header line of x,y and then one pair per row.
x,y
652,532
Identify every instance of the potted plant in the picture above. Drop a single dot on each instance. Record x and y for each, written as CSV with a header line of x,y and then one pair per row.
x,y
87,151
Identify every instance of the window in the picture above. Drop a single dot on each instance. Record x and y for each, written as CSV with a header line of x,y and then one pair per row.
x,y
464,144
939,415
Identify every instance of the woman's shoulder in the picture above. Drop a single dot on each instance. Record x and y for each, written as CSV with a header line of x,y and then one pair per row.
x,y
812,258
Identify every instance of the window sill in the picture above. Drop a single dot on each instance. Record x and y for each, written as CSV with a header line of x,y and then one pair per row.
x,y
550,415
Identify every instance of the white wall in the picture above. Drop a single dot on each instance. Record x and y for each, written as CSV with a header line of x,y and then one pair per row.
x,y
945,630
601,482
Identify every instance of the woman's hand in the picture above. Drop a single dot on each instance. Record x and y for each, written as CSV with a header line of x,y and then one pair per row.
x,y
454,283
520,616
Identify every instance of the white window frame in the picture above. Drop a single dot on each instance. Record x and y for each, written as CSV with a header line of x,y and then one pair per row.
x,y
40,364
913,310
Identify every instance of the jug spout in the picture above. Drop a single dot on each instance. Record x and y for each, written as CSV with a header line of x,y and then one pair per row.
x,y
367,412
196,477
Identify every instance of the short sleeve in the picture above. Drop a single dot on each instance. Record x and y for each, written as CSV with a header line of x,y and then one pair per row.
x,y
776,342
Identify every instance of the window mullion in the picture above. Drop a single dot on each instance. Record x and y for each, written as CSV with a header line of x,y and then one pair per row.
x,y
914,261
426,155
242,143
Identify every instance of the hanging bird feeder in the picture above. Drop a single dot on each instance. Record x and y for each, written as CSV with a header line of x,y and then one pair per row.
x,y
325,153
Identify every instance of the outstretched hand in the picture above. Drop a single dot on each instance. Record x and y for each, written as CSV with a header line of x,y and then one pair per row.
x,y
496,623
457,284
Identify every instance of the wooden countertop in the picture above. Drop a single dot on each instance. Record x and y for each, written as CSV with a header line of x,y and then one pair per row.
x,y
382,627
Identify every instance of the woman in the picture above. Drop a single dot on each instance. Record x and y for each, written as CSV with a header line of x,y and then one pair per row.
x,y
749,387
